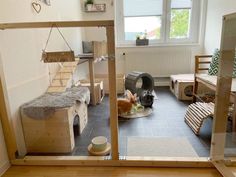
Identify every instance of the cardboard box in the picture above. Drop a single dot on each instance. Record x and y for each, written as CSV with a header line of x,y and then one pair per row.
x,y
184,90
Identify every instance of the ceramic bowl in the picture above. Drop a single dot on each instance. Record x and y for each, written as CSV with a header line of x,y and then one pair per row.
x,y
99,143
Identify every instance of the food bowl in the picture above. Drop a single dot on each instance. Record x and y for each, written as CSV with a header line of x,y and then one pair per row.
x,y
99,143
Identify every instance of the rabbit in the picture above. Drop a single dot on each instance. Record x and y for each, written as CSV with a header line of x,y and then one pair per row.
x,y
125,104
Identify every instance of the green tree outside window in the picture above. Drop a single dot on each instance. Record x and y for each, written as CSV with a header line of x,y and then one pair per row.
x,y
180,19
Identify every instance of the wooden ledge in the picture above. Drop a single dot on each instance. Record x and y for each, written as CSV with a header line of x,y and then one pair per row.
x,y
199,162
60,24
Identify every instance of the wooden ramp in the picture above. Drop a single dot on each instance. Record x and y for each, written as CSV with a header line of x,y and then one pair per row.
x,y
63,76
197,113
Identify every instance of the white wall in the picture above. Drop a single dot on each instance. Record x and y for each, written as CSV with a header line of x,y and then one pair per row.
x,y
215,10
185,66
26,76
99,34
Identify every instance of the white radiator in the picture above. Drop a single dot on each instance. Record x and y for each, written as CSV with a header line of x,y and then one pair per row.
x,y
159,62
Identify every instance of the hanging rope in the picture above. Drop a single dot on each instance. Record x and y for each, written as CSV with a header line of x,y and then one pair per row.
x,y
49,36
61,56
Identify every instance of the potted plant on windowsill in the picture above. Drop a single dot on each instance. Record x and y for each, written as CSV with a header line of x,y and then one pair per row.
x,y
89,5
142,39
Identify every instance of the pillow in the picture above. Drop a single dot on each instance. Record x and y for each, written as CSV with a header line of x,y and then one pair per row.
x,y
214,66
87,47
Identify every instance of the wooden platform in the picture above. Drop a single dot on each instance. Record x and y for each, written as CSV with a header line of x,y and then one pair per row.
x,y
54,134
98,90
30,171
197,113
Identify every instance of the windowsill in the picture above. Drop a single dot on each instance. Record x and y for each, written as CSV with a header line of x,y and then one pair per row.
x,y
158,45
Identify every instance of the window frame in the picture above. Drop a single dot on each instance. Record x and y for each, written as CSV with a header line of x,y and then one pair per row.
x,y
165,26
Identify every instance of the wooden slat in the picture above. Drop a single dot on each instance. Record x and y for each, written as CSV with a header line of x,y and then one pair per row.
x,y
223,86
59,83
101,161
194,129
193,115
196,114
5,117
92,80
99,49
113,94
203,69
56,89
223,89
203,109
29,171
203,56
204,62
60,24
225,171
191,120
196,109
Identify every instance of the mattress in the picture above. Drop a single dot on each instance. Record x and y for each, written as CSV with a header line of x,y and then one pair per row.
x,y
212,80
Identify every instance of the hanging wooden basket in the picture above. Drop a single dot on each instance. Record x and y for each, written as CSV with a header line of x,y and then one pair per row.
x,y
60,56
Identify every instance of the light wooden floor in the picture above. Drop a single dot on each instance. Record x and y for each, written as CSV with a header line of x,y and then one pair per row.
x,y
20,171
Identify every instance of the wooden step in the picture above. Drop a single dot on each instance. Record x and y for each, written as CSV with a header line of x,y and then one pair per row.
x,y
59,83
56,89
63,76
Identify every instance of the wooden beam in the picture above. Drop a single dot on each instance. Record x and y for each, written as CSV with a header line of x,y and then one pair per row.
x,y
52,171
223,89
9,135
92,80
60,24
225,171
112,92
199,162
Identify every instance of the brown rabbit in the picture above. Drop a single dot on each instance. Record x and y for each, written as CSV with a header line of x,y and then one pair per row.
x,y
125,104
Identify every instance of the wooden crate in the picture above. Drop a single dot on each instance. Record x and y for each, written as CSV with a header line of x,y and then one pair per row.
x,y
184,90
120,82
54,134
99,91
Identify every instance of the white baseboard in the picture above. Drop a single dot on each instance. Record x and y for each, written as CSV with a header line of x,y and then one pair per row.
x,y
162,81
161,84
4,168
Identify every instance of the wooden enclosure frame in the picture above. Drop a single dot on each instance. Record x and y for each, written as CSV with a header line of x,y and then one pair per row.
x,y
217,150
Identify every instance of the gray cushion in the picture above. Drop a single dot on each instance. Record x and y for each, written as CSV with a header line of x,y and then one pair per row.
x,y
87,47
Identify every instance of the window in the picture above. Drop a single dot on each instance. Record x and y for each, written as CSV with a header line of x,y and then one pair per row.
x,y
142,17
180,19
161,21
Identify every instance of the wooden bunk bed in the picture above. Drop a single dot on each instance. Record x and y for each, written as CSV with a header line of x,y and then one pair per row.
x,y
201,67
